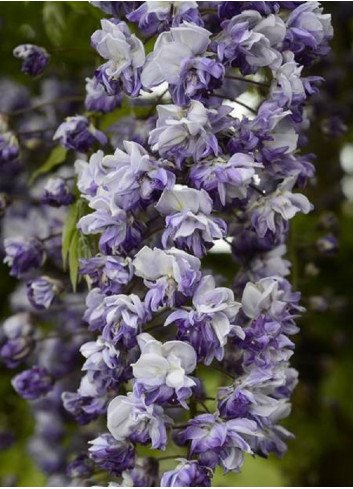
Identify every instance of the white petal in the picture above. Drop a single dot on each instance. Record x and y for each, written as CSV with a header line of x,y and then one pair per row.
x,y
221,326
175,378
184,352
118,416
153,264
151,369
197,38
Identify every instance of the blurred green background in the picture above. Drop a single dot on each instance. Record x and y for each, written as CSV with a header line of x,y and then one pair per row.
x,y
322,417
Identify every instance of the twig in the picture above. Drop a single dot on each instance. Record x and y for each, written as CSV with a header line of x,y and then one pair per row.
x,y
171,457
236,102
259,190
71,98
35,131
224,372
204,406
247,80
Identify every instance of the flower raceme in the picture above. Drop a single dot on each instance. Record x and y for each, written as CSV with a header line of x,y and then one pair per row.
x,y
152,196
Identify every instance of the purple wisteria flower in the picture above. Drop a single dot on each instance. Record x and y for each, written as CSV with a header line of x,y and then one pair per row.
x,y
125,54
250,41
90,174
130,417
119,317
79,134
269,295
182,173
33,383
95,309
107,364
179,58
119,229
225,179
208,325
153,17
34,58
184,41
275,128
125,181
112,455
84,408
272,213
188,222
327,245
166,273
287,86
9,147
23,255
161,371
124,317
19,339
57,192
188,473
42,291
269,263
308,32
98,100
116,9
191,131
218,442
107,272
134,176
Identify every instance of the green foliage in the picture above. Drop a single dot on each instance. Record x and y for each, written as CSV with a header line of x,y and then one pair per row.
x,y
124,111
63,28
56,157
74,256
78,7
69,230
70,242
74,244
16,463
256,471
16,467
54,21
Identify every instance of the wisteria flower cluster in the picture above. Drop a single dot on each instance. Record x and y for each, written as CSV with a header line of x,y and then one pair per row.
x,y
134,209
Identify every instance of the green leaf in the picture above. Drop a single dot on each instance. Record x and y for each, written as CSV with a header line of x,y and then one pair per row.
x,y
124,111
57,156
256,472
74,259
113,117
79,248
78,7
54,21
69,230
85,248
149,46
74,244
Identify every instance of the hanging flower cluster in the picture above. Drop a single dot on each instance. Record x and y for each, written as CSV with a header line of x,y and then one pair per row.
x,y
149,198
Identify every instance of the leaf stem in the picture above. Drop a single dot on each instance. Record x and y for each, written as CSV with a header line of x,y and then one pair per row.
x,y
204,406
171,457
224,372
250,109
247,80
